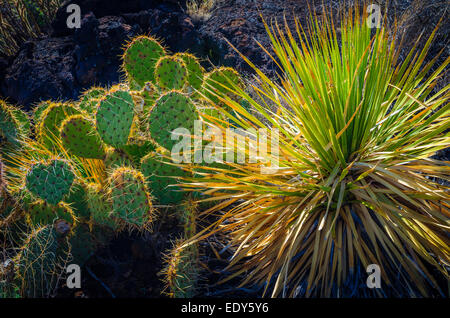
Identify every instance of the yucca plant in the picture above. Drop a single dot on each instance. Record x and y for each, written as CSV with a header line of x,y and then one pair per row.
x,y
355,184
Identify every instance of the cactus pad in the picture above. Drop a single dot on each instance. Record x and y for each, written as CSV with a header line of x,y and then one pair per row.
x,y
51,120
100,208
42,213
219,81
130,198
195,71
90,98
161,178
116,158
140,58
171,73
80,138
182,271
9,126
137,148
39,263
149,95
23,120
39,109
171,111
114,117
77,200
51,182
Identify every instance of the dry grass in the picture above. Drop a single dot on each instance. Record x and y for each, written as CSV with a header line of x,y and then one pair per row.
x,y
21,20
200,10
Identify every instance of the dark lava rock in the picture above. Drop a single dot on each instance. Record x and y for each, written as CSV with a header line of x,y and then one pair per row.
x,y
175,29
239,22
60,68
99,45
41,70
102,8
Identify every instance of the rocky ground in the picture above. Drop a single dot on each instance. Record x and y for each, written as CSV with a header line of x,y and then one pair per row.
x,y
65,62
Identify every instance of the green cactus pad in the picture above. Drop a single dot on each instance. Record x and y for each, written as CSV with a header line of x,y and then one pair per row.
x,y
215,81
195,71
149,95
100,208
116,158
51,120
137,148
77,200
130,198
42,213
171,73
144,100
171,111
9,126
188,217
39,263
161,178
90,98
39,109
114,117
80,138
50,181
23,120
140,58
182,271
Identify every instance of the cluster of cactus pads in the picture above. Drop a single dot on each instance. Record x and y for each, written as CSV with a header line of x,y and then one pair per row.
x,y
74,174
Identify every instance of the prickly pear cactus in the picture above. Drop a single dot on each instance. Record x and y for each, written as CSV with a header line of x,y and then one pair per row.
x,y
147,97
188,217
219,82
113,148
39,109
171,73
42,213
23,120
9,126
162,178
116,158
182,273
195,72
50,181
130,198
39,263
90,98
137,148
100,208
51,120
171,111
140,58
114,117
79,137
77,200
